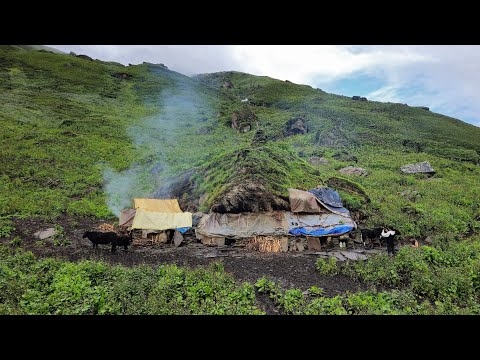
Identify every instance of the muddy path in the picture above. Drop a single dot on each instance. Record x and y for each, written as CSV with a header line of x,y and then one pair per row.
x,y
290,270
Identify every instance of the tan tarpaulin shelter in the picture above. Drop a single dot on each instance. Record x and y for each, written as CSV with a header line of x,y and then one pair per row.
x,y
272,223
155,215
243,225
306,202
303,202
157,205
161,221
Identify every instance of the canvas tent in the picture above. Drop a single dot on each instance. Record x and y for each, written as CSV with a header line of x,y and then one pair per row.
x,y
157,215
303,202
315,213
154,220
157,205
274,223
243,225
321,200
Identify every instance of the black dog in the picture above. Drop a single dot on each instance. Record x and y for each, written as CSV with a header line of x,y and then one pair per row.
x,y
373,234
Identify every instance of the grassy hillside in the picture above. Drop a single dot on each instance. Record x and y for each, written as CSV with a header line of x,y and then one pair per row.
x,y
379,137
79,135
36,47
62,117
82,137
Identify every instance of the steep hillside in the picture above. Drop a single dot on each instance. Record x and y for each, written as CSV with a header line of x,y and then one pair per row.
x,y
82,137
340,121
36,47
379,137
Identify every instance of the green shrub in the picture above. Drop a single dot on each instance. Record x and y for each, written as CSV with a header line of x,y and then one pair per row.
x,y
6,228
16,241
327,267
432,274
50,286
59,237
325,306
292,301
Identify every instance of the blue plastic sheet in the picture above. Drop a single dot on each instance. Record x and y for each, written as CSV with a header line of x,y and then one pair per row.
x,y
337,230
183,230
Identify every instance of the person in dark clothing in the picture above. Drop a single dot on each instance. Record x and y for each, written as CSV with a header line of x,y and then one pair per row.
x,y
389,236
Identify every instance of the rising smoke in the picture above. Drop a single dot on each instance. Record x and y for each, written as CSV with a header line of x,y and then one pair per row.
x,y
180,109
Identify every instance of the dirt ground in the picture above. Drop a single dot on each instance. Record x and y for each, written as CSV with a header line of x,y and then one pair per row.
x,y
291,269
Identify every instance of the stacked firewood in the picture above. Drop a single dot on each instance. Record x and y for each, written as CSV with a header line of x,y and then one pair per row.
x,y
105,227
264,244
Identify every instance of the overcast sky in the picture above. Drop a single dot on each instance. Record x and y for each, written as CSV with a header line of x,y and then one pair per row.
x,y
444,78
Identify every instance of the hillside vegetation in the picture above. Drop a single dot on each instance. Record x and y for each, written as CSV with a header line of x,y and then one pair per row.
x,y
426,281
81,137
67,119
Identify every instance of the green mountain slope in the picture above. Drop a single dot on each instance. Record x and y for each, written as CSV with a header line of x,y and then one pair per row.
x,y
83,137
36,47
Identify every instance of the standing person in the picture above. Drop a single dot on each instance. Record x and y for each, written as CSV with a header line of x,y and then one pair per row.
x,y
389,237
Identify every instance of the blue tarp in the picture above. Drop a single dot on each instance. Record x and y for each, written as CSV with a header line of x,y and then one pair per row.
x,y
312,231
183,230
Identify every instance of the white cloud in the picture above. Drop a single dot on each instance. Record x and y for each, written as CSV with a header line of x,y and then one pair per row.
x,y
186,59
448,84
304,63
385,94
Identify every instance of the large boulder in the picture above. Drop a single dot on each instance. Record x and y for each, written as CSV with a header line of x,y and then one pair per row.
x,y
122,75
295,126
85,57
359,98
45,234
244,119
316,161
227,84
351,170
423,167
181,187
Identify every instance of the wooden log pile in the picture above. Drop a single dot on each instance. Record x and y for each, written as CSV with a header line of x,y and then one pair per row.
x,y
105,227
264,244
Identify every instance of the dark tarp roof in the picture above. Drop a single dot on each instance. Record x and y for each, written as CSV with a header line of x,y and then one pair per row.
x,y
330,199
